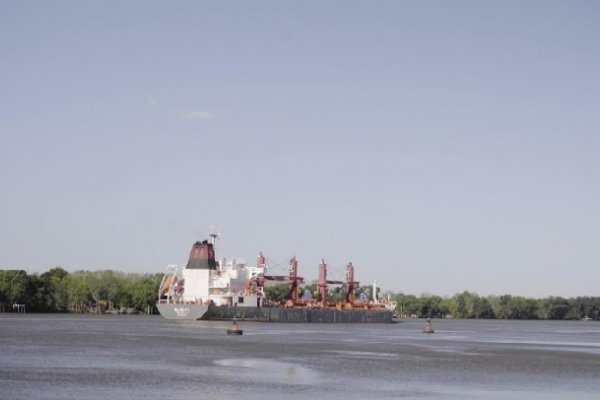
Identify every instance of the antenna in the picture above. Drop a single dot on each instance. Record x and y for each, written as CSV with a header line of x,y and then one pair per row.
x,y
215,233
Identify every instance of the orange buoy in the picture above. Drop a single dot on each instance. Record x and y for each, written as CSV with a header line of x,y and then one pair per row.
x,y
428,328
235,328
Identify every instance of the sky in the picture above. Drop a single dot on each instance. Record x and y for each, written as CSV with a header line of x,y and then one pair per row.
x,y
438,146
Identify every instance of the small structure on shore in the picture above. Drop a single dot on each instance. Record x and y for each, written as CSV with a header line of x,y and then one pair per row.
x,y
235,328
428,328
20,308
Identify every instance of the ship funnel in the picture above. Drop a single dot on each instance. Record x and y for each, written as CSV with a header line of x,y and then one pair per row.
x,y
202,256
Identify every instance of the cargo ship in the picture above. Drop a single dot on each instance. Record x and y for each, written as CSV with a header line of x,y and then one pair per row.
x,y
207,289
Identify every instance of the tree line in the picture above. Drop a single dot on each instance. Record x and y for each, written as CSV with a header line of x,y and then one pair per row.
x,y
470,305
464,305
82,291
111,291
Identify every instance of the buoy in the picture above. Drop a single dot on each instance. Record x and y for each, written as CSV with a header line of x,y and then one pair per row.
x,y
428,328
235,328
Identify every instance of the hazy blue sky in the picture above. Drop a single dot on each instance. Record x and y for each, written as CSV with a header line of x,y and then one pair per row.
x,y
439,146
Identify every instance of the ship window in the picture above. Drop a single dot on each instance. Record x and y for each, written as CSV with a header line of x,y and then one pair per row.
x,y
241,300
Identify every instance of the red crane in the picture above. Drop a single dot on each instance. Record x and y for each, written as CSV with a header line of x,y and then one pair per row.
x,y
349,284
292,278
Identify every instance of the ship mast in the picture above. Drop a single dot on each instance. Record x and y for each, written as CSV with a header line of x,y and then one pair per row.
x,y
214,234
375,298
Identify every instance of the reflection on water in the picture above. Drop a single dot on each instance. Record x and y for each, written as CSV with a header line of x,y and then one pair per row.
x,y
99,357
268,371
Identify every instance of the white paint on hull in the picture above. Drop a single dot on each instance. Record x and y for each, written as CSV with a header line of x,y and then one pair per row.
x,y
182,311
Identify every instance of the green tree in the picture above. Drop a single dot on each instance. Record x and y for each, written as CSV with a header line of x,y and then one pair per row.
x,y
14,285
557,308
407,304
480,307
501,306
335,294
55,293
429,306
460,305
277,292
143,291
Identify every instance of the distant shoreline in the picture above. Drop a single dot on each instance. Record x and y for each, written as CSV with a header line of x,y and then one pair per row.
x,y
114,292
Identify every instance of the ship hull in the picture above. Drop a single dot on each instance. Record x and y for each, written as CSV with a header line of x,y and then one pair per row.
x,y
272,314
182,311
298,315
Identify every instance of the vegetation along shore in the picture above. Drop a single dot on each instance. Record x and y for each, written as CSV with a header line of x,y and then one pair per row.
x,y
108,291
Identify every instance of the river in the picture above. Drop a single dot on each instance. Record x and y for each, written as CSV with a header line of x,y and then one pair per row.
x,y
147,357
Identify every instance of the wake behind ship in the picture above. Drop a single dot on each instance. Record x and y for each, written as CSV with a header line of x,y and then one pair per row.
x,y
211,290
